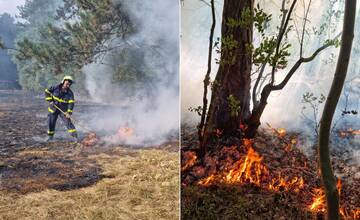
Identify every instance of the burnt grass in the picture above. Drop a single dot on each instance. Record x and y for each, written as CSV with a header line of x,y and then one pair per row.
x,y
249,201
30,164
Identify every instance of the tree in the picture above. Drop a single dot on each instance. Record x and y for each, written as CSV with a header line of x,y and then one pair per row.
x,y
232,82
8,31
207,80
34,14
229,109
328,178
80,38
79,33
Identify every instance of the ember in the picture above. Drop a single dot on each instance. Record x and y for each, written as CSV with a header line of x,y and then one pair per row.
x,y
349,132
280,184
281,132
90,140
190,158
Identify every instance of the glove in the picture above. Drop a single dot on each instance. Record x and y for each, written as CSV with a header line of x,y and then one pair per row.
x,y
67,115
51,104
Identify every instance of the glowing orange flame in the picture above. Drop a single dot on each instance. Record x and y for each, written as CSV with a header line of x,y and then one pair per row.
x,y
290,145
125,132
356,213
349,132
356,132
90,140
281,132
190,162
281,184
318,204
207,180
249,169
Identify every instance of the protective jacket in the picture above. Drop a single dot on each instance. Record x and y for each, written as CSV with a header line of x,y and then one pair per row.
x,y
63,99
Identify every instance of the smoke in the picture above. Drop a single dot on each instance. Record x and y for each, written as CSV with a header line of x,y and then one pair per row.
x,y
315,76
10,6
195,30
150,108
285,107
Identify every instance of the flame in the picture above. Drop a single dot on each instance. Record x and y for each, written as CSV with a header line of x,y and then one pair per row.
x,y
125,132
90,140
207,180
249,169
318,204
356,213
349,132
281,184
356,132
190,162
319,201
281,132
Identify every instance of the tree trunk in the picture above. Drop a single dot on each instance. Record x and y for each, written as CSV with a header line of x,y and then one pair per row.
x,y
253,122
201,132
233,77
328,178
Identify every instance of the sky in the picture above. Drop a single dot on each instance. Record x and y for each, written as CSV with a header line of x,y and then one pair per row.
x,y
10,6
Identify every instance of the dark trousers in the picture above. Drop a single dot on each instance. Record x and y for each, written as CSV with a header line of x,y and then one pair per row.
x,y
52,117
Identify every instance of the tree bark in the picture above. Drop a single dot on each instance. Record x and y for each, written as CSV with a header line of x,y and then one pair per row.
x,y
328,178
233,76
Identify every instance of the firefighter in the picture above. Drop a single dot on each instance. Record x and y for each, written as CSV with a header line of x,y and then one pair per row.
x,y
61,96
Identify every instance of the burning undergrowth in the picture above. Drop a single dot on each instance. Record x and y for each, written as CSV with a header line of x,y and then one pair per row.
x,y
126,137
269,167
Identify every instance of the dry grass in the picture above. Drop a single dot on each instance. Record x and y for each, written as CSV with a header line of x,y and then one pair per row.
x,y
144,186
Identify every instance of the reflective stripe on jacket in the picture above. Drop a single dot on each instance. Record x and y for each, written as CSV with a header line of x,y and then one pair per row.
x,y
63,99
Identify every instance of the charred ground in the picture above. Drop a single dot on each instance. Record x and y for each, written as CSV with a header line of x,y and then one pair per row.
x,y
268,177
120,182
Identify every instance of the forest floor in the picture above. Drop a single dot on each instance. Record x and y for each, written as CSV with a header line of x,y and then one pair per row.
x,y
65,180
269,177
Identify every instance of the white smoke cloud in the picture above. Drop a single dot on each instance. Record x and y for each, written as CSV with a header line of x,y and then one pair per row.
x,y
152,113
315,76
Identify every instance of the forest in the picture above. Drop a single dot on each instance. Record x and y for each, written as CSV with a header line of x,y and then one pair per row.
x,y
270,130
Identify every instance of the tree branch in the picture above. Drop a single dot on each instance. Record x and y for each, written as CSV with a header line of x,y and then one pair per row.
x,y
281,35
303,31
298,63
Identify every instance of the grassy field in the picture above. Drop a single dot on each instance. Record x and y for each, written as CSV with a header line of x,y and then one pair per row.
x,y
143,184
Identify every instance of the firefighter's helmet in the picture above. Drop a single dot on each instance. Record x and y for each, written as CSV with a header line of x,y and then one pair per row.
x,y
69,78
